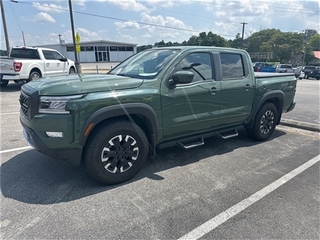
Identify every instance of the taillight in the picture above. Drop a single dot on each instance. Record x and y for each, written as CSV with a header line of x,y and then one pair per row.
x,y
17,66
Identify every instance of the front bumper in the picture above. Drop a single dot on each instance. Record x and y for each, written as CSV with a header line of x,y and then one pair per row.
x,y
291,107
71,156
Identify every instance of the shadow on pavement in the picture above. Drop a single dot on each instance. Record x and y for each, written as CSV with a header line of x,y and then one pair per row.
x,y
11,87
34,178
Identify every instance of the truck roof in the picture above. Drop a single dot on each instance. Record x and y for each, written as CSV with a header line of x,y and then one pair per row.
x,y
34,48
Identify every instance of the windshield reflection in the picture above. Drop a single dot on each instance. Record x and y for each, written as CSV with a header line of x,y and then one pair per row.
x,y
146,64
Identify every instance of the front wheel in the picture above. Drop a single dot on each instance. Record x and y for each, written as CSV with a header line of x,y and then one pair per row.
x,y
115,152
264,123
72,70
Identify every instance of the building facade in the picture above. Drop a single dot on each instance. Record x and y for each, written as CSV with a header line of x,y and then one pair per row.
x,y
96,51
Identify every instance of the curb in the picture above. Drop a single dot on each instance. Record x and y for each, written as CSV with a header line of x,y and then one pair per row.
x,y
302,125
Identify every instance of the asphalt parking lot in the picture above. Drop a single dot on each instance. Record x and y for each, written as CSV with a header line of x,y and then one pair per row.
x,y
226,189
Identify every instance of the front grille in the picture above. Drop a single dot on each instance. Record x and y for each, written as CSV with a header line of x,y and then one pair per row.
x,y
24,103
29,101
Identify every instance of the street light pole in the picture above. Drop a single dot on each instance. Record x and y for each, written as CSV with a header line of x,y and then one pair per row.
x,y
78,67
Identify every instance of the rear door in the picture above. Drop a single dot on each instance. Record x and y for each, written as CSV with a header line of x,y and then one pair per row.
x,y
191,107
237,89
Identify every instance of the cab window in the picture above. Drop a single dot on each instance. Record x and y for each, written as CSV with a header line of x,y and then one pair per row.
x,y
198,63
232,66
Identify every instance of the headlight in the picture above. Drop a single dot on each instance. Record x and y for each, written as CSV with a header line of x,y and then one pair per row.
x,y
57,105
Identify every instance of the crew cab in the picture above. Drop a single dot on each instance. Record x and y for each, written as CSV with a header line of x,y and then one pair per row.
x,y
157,98
29,63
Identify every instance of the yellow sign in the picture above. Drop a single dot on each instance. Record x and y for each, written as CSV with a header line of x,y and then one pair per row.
x,y
77,38
78,49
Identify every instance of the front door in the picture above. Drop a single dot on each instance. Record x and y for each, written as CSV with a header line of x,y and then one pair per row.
x,y
53,64
192,107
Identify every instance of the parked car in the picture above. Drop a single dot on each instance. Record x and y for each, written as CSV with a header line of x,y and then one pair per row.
x,y
29,63
161,97
311,72
297,72
263,67
284,68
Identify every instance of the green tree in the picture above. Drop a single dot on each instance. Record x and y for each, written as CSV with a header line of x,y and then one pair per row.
x,y
314,42
236,43
143,47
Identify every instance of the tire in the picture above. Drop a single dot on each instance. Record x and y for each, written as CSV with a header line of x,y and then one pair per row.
x,y
264,123
115,152
4,83
72,70
34,75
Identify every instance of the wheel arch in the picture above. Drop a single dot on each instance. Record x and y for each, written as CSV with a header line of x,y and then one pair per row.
x,y
72,67
140,113
276,97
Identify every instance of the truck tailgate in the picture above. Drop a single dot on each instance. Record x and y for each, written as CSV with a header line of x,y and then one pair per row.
x,y
6,66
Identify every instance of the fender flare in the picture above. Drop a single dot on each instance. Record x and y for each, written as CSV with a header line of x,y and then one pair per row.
x,y
278,94
123,110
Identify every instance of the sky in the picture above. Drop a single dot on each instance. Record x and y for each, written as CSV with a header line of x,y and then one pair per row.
x,y
149,21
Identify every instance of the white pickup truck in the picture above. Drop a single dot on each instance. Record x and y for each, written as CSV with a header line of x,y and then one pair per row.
x,y
29,63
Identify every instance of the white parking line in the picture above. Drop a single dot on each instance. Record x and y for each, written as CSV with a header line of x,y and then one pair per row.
x,y
15,149
9,113
239,207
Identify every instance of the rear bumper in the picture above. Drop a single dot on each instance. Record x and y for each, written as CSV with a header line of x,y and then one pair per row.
x,y
10,77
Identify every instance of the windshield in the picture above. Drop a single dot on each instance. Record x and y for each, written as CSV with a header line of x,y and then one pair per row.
x,y
146,64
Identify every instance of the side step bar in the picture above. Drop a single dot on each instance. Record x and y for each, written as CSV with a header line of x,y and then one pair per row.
x,y
191,143
228,133
196,141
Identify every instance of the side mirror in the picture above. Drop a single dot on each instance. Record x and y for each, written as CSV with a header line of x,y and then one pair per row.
x,y
63,59
181,77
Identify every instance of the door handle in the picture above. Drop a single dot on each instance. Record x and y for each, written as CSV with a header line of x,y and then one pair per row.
x,y
247,87
213,90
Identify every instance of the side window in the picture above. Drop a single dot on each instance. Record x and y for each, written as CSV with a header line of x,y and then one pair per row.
x,y
47,55
56,55
232,66
198,63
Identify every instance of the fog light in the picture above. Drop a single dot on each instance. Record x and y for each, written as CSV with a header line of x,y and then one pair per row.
x,y
54,134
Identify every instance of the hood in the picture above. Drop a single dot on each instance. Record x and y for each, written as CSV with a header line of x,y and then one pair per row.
x,y
81,84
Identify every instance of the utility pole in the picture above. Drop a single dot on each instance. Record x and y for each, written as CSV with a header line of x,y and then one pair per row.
x,y
243,24
24,41
5,28
78,67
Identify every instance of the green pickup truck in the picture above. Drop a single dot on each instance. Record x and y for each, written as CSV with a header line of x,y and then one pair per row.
x,y
162,97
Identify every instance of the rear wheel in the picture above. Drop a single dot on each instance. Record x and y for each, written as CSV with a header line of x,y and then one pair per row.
x,y
115,152
4,83
264,123
34,75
